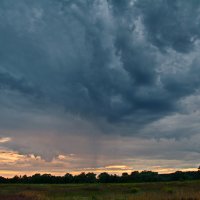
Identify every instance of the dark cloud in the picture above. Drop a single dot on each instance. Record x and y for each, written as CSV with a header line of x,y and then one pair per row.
x,y
171,24
185,85
73,70
8,82
108,62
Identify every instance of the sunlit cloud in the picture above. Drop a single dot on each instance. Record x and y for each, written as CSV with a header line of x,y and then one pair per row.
x,y
116,167
13,163
4,139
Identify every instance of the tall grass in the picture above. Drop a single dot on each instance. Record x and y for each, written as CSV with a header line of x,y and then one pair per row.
x,y
145,191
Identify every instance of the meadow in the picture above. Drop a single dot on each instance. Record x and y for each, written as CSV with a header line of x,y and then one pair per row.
x,y
129,191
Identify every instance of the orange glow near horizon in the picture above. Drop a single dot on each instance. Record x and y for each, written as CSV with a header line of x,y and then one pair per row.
x,y
13,163
12,173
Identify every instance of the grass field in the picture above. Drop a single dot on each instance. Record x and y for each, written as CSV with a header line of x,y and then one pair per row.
x,y
140,191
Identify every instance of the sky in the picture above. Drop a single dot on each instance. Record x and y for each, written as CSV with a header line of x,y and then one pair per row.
x,y
99,85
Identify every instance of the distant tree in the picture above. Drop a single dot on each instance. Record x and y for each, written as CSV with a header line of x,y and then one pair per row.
x,y
36,178
125,177
25,179
144,176
104,177
68,178
3,180
81,178
148,176
15,179
125,174
134,176
179,176
91,177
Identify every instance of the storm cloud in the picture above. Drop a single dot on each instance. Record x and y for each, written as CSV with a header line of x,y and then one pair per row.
x,y
98,68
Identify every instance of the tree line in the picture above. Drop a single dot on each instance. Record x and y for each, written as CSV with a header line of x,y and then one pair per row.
x,y
134,177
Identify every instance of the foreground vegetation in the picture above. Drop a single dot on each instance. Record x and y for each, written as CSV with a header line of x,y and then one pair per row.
x,y
123,191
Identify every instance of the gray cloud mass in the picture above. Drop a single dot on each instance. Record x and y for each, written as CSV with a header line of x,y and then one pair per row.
x,y
127,68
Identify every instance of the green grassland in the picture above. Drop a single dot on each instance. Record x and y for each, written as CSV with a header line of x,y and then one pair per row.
x,y
128,191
